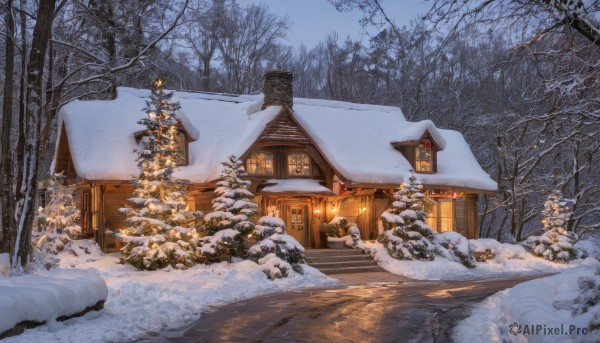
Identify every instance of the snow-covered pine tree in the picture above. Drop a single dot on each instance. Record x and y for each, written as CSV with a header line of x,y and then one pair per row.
x,y
232,209
160,229
276,250
406,235
556,244
58,222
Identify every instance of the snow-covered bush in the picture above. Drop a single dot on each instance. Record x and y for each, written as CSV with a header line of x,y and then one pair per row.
x,y
160,231
83,247
274,267
337,227
455,247
490,249
588,299
224,243
406,235
232,209
57,223
270,232
556,243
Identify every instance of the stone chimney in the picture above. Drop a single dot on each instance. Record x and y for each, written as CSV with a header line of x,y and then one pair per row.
x,y
278,88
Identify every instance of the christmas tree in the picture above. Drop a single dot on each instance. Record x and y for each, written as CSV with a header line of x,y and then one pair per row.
x,y
232,209
556,244
406,235
276,250
58,222
160,228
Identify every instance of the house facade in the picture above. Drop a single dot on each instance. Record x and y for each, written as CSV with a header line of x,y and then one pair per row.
x,y
309,160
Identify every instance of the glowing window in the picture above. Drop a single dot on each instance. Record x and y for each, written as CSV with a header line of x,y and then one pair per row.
x,y
260,163
298,164
424,157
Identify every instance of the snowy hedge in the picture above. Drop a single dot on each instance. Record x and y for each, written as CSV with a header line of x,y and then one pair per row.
x,y
276,250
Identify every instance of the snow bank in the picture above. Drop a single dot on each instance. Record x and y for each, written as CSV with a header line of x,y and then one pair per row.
x,y
444,269
536,302
47,295
142,303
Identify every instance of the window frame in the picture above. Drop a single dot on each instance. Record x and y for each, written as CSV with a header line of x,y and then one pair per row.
x,y
287,165
432,157
437,219
185,160
273,162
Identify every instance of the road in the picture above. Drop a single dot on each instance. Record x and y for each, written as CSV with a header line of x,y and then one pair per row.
x,y
403,310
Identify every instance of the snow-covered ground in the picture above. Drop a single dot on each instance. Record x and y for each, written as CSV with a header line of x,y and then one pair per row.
x,y
510,261
46,295
508,316
142,303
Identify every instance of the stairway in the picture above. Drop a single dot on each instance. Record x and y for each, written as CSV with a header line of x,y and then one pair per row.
x,y
341,261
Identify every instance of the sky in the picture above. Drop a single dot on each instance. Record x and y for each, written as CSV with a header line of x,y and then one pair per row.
x,y
313,20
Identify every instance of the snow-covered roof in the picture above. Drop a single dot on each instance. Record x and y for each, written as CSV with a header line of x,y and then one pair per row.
x,y
355,138
295,186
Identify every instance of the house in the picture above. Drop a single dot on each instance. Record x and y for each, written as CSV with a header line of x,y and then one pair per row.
x,y
309,160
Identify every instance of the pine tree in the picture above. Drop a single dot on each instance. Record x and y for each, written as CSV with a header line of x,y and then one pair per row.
x,y
406,235
276,250
58,223
231,211
556,244
160,229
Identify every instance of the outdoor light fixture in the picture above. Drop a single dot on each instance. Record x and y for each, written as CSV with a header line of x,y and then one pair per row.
x,y
317,213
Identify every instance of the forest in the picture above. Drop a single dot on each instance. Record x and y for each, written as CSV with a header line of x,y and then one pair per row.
x,y
519,79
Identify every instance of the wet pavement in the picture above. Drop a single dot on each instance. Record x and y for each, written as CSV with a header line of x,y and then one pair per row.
x,y
373,307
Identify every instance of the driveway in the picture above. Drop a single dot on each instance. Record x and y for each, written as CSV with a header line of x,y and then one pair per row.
x,y
374,307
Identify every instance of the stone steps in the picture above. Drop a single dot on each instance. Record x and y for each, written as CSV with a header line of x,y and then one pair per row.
x,y
341,261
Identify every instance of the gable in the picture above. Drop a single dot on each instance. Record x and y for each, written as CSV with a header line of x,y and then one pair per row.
x,y
283,129
63,161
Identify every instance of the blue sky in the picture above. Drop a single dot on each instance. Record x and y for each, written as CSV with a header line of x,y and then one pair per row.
x,y
315,19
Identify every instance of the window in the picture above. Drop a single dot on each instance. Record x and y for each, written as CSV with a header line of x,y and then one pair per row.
x,y
446,215
298,164
424,157
431,207
260,163
297,218
181,149
440,214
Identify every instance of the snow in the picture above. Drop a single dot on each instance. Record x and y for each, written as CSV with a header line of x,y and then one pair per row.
x,y
415,131
47,295
541,302
358,144
219,122
295,185
503,265
143,303
355,138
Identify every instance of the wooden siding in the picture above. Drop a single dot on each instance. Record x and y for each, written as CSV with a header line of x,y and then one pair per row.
x,y
64,162
283,128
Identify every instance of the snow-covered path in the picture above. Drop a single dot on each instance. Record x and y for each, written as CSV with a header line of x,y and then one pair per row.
x,y
411,310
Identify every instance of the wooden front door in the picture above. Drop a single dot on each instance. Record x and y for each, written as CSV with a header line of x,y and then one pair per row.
x,y
297,222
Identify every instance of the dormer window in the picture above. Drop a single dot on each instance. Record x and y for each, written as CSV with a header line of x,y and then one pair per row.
x,y
260,163
182,149
424,157
182,141
298,164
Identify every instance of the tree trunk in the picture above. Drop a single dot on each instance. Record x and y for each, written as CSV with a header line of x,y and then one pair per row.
x,y
34,106
6,166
